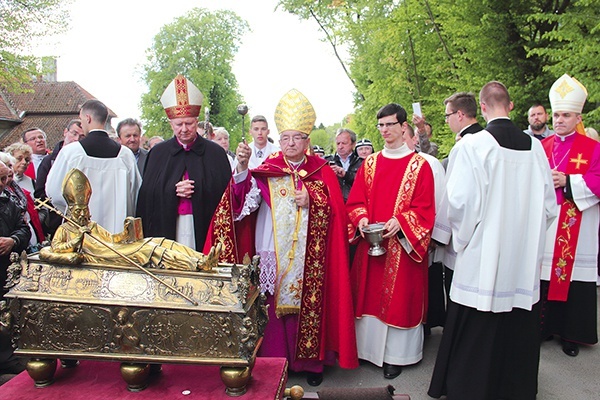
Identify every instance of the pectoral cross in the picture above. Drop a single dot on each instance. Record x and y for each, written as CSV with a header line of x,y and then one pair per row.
x,y
578,161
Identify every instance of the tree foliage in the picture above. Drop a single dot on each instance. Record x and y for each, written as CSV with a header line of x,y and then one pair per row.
x,y
24,23
406,51
200,45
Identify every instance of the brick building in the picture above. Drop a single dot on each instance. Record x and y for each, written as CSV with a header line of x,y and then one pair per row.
x,y
46,105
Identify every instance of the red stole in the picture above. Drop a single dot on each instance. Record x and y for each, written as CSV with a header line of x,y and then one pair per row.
x,y
569,220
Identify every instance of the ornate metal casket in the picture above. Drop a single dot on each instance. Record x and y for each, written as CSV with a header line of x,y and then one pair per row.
x,y
115,313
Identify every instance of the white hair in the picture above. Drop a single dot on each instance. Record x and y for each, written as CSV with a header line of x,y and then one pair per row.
x,y
220,130
6,158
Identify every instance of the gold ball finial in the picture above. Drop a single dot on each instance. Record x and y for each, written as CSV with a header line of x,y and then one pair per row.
x,y
296,392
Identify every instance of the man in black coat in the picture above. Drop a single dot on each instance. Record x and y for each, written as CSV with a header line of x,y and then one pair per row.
x,y
129,132
461,114
345,162
185,176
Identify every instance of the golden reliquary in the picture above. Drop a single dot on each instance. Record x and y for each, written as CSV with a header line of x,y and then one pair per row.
x,y
120,313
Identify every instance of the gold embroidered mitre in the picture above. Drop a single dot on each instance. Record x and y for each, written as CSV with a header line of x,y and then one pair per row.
x,y
76,188
295,113
567,94
181,98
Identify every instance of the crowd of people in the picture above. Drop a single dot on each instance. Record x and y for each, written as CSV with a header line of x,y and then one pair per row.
x,y
498,243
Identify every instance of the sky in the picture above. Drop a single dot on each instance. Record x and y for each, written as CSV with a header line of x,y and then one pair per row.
x,y
105,47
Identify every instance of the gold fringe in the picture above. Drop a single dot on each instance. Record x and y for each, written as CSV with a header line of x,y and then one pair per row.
x,y
281,311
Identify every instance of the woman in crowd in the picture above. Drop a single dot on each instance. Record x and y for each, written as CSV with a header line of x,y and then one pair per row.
x,y
221,137
22,154
24,200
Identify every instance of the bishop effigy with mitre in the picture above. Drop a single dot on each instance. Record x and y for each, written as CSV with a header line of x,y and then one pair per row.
x,y
81,240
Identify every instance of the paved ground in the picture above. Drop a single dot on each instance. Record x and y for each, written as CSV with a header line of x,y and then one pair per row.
x,y
560,377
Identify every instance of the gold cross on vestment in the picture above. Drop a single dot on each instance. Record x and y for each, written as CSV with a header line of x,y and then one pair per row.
x,y
578,161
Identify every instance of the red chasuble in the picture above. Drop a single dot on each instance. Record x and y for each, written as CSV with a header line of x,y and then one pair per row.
x,y
326,319
393,287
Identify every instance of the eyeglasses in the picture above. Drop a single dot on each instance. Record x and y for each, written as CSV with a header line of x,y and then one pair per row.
x,y
386,125
294,138
448,115
38,137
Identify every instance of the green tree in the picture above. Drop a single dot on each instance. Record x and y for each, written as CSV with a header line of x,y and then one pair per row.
x,y
22,24
323,138
200,45
408,51
573,47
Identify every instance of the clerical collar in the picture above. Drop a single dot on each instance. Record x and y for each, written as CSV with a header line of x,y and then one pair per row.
x,y
563,138
398,153
187,147
493,119
295,164
102,131
468,126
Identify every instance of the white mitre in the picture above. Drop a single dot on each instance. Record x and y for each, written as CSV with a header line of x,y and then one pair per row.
x,y
181,98
568,95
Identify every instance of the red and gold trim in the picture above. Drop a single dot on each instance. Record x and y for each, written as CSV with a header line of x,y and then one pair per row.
x,y
311,312
357,213
390,273
182,111
310,322
223,229
370,165
402,208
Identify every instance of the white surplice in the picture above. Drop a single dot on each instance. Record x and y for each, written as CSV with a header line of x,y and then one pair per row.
x,y
115,184
489,221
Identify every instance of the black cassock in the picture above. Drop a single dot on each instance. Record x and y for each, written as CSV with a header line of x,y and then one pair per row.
x,y
207,165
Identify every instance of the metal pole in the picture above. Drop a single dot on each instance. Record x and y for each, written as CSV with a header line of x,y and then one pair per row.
x,y
242,109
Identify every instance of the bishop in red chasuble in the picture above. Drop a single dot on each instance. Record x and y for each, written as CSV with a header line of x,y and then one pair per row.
x,y
569,266
300,233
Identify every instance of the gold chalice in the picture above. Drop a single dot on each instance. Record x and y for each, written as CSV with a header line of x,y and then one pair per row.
x,y
374,235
